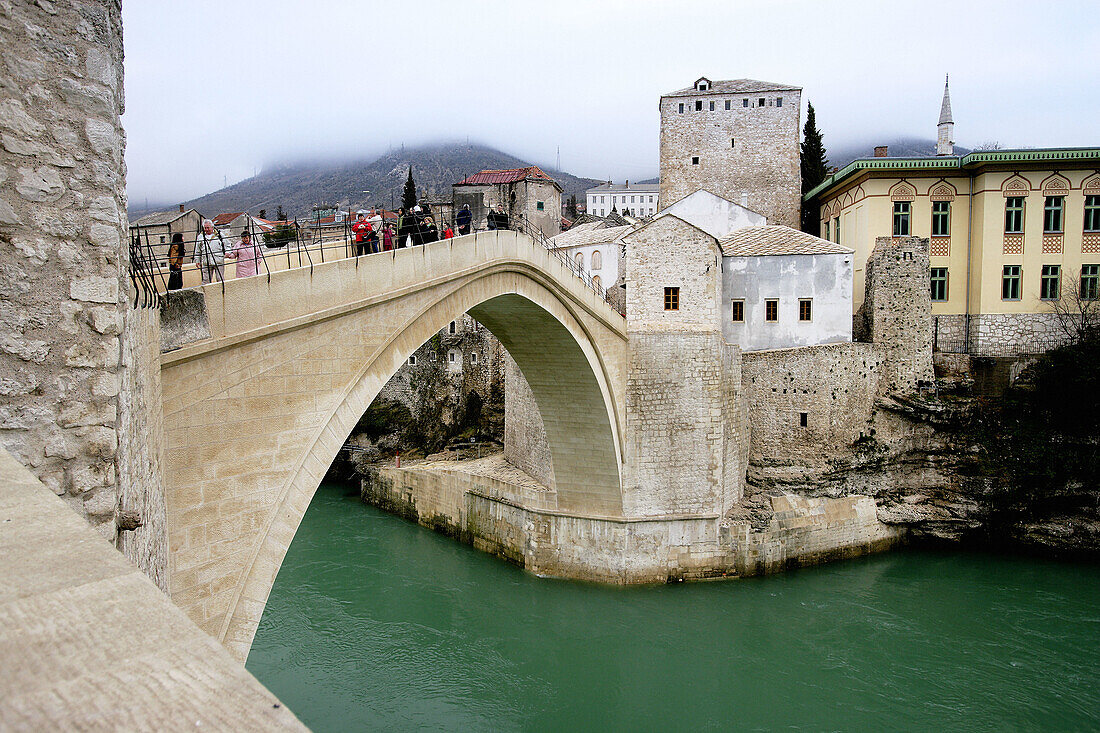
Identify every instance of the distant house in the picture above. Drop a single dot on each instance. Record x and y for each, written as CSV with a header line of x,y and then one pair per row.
x,y
519,192
156,230
596,248
638,200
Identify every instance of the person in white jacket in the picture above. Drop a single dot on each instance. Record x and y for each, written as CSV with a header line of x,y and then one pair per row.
x,y
210,251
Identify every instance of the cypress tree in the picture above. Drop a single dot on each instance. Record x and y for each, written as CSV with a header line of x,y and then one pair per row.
x,y
408,196
280,215
815,168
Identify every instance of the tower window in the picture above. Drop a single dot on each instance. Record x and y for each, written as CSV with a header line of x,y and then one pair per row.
x,y
727,104
452,328
805,309
695,160
738,311
473,357
698,105
771,310
412,360
803,419
681,107
762,102
702,86
732,142
779,101
744,102
672,299
540,206
712,106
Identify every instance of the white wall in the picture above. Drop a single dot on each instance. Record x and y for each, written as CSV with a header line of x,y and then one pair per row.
x,y
713,214
826,279
609,252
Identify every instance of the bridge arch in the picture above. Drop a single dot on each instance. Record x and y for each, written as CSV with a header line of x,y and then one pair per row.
x,y
566,341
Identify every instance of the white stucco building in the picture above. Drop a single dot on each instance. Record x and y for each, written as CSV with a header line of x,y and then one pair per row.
x,y
637,199
783,288
713,214
596,248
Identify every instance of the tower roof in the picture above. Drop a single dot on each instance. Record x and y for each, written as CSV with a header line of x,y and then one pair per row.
x,y
945,108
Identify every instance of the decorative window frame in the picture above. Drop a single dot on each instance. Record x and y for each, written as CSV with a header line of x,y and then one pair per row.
x,y
942,191
1056,185
1016,185
903,191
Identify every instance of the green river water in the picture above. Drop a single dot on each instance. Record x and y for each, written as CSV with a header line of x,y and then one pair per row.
x,y
375,623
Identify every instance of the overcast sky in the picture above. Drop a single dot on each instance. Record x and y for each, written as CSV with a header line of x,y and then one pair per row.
x,y
216,90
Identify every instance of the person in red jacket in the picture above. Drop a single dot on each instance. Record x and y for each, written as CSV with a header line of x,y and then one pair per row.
x,y
362,230
448,233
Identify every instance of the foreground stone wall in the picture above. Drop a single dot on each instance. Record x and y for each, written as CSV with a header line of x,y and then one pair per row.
x,y
63,267
1001,334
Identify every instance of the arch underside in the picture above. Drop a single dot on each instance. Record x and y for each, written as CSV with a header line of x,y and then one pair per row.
x,y
546,333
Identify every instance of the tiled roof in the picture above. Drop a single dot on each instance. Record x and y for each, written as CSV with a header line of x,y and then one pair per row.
x,y
222,219
591,233
735,86
773,239
159,218
507,175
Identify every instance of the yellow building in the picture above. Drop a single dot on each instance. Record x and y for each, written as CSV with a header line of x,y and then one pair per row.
x,y
1013,232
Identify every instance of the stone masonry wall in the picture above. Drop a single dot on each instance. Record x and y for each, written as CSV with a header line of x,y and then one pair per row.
x,y
1000,334
525,443
63,281
762,161
897,311
834,386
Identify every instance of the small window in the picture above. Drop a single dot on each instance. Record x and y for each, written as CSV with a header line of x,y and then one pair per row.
x,y
901,219
473,357
941,218
836,229
939,284
712,106
744,102
672,299
779,101
733,142
597,260
727,104
1014,215
1090,282
681,107
412,360
453,328
651,199
698,105
762,102
1010,282
452,357
771,310
738,312
805,309
1049,284
597,282
162,237
539,205
803,419
1052,215
702,86
695,160
827,231
1092,213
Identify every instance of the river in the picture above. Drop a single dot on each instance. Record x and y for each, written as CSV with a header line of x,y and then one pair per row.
x,y
375,623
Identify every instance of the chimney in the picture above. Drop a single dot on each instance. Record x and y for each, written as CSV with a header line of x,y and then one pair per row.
x,y
627,183
745,199
880,151
181,208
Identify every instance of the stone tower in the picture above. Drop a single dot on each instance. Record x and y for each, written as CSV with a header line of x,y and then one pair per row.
x,y
945,130
737,139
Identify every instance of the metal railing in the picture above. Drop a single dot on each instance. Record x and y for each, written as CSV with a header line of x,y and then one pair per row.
x,y
153,265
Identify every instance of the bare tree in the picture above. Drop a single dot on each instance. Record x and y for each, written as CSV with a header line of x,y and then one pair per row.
x,y
989,145
1077,309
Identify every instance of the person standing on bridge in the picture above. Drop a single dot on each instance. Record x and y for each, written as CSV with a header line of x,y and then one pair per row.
x,y
464,219
387,238
175,262
361,229
247,254
210,252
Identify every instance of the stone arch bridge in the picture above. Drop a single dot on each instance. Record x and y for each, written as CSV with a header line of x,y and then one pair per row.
x,y
271,375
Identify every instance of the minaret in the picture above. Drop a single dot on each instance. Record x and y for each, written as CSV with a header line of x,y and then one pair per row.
x,y
945,137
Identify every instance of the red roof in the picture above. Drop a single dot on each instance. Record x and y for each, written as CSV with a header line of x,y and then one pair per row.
x,y
222,219
508,175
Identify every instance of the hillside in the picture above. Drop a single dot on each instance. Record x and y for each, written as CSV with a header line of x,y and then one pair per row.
x,y
298,187
902,147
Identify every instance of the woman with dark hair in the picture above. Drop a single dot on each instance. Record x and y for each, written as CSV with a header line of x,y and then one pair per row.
x,y
176,254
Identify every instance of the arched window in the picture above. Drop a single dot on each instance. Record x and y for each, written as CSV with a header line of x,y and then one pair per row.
x,y
597,282
597,260
579,259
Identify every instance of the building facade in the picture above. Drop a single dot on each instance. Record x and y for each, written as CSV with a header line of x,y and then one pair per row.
x,y
1013,232
521,193
638,199
595,249
738,139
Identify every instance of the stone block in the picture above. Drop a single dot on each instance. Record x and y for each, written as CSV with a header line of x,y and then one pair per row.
x,y
39,185
94,289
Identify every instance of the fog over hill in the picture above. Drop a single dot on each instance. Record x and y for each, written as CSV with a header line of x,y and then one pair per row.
x,y
298,187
